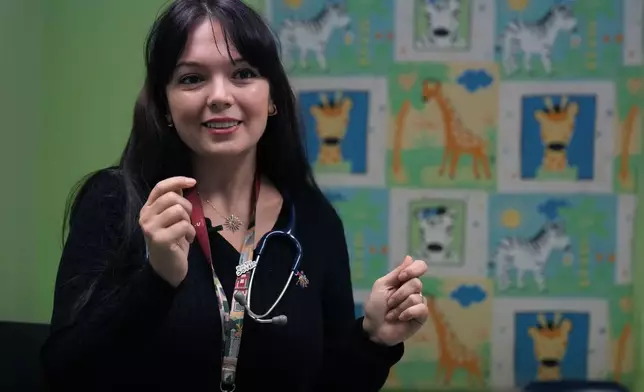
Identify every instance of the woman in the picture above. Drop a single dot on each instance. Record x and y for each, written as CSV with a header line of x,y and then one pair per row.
x,y
214,161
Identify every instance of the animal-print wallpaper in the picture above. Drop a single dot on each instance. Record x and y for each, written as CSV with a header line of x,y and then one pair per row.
x,y
498,141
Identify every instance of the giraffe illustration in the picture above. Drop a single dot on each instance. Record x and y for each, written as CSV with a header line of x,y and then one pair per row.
x,y
458,139
620,354
452,353
398,140
628,128
406,82
550,340
331,118
557,124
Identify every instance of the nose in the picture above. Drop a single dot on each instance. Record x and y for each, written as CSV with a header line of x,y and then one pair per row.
x,y
219,96
435,247
441,32
556,146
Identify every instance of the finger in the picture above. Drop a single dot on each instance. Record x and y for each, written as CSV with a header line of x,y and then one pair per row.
x,y
172,184
171,235
170,216
417,312
392,277
414,270
410,287
167,200
410,301
167,218
191,234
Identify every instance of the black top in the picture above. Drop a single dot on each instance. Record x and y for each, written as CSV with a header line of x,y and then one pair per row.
x,y
137,330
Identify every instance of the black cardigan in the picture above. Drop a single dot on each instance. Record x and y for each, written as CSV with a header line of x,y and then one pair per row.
x,y
137,330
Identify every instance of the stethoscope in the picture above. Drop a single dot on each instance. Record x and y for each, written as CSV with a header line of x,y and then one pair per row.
x,y
288,234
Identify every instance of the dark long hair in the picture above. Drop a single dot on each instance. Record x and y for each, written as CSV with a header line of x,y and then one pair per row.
x,y
154,151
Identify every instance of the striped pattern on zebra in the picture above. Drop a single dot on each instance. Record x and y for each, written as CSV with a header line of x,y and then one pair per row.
x,y
535,38
528,255
312,35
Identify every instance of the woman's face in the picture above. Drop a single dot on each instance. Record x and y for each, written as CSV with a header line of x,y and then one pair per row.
x,y
217,106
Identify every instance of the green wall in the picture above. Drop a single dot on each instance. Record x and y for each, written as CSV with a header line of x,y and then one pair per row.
x,y
70,72
94,52
20,121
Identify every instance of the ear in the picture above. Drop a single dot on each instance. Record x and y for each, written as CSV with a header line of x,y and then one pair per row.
x,y
316,111
532,331
272,109
347,104
566,326
540,116
572,110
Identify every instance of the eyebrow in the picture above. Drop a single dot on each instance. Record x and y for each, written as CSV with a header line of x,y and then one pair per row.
x,y
197,64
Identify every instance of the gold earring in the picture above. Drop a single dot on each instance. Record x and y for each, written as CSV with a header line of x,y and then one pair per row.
x,y
273,110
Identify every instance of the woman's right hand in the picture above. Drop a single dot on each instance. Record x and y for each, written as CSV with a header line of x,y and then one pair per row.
x,y
168,231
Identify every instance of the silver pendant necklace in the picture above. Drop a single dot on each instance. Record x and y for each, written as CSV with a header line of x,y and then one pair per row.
x,y
232,222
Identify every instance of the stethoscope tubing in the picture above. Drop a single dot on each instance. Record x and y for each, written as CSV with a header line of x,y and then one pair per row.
x,y
288,233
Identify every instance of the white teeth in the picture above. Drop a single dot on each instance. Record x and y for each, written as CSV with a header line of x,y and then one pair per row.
x,y
222,124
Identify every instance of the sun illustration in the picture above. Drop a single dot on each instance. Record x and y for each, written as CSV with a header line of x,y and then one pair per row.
x,y
294,4
511,218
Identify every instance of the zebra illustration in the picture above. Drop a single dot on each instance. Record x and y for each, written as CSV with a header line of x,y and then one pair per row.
x,y
529,255
443,21
436,226
312,35
535,38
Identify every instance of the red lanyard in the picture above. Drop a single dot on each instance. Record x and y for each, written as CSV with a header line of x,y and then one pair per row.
x,y
232,318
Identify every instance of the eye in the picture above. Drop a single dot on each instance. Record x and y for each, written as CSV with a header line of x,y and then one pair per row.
x,y
244,73
190,79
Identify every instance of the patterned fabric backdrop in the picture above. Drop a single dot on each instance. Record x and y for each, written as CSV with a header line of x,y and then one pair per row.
x,y
498,141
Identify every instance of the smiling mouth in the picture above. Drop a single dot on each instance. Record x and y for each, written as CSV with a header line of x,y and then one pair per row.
x,y
221,124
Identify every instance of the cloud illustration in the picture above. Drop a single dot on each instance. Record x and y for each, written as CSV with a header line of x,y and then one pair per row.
x,y
475,79
550,208
467,295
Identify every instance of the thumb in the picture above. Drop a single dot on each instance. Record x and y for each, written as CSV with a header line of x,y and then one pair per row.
x,y
392,277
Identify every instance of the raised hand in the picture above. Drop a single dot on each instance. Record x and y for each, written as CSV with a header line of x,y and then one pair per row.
x,y
396,309
168,231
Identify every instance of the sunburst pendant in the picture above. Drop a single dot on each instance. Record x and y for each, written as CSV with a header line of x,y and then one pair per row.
x,y
233,223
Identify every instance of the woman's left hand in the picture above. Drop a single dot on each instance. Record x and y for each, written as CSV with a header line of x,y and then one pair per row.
x,y
396,308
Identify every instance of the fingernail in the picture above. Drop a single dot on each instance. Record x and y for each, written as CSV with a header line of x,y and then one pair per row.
x,y
404,317
390,316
